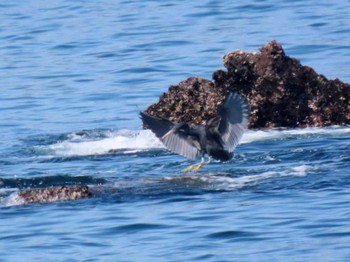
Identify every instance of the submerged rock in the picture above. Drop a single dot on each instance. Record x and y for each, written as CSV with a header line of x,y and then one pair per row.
x,y
53,194
281,92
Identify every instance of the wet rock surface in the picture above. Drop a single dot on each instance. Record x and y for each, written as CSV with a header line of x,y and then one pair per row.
x,y
280,91
54,194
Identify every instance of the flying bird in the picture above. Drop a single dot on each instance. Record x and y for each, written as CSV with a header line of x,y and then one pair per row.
x,y
218,138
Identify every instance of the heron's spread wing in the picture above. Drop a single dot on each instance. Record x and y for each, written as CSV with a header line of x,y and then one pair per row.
x,y
234,115
181,143
159,126
175,136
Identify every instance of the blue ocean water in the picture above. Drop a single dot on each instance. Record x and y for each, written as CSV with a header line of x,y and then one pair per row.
x,y
75,74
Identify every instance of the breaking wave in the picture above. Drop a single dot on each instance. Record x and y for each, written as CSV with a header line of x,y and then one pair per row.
x,y
86,143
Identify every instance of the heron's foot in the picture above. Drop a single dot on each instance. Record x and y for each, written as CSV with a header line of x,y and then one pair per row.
x,y
193,168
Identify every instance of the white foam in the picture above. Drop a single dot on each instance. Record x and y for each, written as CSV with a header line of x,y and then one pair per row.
x,y
4,191
13,199
130,141
268,134
143,140
233,183
217,181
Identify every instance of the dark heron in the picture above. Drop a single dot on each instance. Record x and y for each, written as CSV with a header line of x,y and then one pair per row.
x,y
218,138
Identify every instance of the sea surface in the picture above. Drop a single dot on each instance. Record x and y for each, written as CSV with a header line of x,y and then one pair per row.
x,y
73,77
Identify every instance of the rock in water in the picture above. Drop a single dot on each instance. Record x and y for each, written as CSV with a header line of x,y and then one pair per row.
x,y
53,194
280,91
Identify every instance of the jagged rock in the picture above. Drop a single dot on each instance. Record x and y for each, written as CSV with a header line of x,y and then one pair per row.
x,y
53,194
281,92
194,100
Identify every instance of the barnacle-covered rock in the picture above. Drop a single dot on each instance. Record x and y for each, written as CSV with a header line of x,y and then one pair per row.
x,y
53,194
193,100
280,91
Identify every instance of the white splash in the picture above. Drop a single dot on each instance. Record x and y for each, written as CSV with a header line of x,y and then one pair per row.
x,y
269,134
12,200
297,171
130,141
234,183
126,140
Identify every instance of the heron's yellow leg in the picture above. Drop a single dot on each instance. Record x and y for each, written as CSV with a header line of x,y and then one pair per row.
x,y
195,167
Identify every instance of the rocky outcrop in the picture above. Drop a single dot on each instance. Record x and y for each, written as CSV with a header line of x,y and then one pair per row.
x,y
53,194
280,91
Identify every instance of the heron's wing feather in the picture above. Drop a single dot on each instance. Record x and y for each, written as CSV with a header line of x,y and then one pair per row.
x,y
181,143
159,126
234,115
174,136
